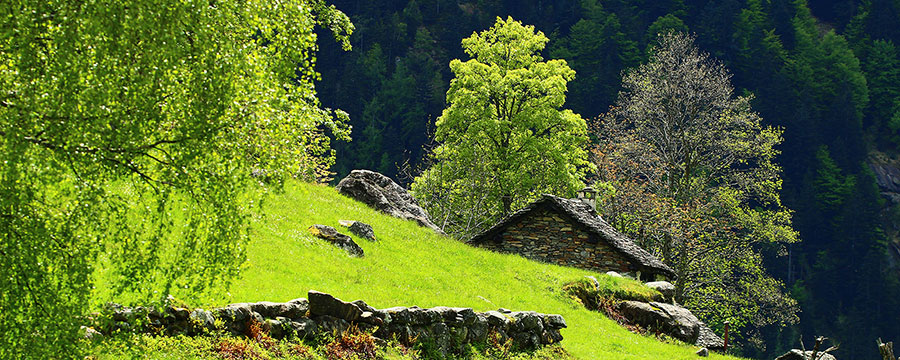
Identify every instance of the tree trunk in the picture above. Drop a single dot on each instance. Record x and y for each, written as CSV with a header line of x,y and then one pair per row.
x,y
507,204
681,265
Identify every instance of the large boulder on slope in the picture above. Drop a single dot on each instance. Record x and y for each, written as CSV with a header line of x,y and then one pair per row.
x,y
383,194
673,320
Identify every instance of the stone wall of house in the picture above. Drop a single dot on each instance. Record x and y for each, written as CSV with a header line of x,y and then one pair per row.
x,y
447,328
548,236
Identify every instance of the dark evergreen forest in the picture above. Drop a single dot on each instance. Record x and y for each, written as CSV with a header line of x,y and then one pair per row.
x,y
827,72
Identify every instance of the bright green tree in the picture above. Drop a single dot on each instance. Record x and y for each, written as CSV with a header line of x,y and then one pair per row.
x,y
504,137
129,131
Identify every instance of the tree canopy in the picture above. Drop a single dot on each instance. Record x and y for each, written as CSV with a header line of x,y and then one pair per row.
x,y
695,180
129,133
504,138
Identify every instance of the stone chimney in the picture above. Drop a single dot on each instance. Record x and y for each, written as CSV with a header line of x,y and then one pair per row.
x,y
588,196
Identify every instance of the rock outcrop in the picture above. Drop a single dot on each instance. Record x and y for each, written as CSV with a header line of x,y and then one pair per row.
x,y
342,241
797,354
709,339
670,319
383,194
673,320
887,176
448,328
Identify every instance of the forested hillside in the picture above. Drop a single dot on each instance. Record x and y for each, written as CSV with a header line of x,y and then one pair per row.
x,y
827,73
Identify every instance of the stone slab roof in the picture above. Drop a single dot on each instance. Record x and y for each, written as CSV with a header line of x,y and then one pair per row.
x,y
583,214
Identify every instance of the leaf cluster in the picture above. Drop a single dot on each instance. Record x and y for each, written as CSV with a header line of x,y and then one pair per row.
x,y
129,132
503,121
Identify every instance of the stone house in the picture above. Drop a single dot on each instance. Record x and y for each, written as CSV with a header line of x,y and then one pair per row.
x,y
569,232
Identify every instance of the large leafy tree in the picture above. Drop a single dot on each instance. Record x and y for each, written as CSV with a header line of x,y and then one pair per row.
x,y
695,182
128,134
504,137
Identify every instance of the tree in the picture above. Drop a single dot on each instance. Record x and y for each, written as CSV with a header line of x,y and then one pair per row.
x,y
681,147
598,50
882,69
129,132
504,139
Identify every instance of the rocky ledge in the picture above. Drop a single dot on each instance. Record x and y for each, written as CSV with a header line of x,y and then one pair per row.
x,y
447,328
383,194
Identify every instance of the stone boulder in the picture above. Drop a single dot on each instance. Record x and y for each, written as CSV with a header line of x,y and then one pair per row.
x,y
675,321
359,228
322,304
665,288
341,240
383,194
708,339
797,354
203,318
290,310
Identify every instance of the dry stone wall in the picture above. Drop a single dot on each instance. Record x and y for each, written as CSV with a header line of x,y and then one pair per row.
x,y
549,236
447,328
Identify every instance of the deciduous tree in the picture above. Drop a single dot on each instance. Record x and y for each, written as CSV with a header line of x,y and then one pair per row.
x,y
128,132
696,183
504,138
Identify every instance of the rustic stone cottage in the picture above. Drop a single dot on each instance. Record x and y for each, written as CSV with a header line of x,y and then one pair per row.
x,y
569,232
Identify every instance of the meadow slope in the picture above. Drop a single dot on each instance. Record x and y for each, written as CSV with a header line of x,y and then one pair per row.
x,y
409,265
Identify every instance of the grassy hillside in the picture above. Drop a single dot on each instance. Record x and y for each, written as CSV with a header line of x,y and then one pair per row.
x,y
409,265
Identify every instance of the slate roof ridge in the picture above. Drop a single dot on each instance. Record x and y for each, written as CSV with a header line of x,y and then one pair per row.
x,y
588,217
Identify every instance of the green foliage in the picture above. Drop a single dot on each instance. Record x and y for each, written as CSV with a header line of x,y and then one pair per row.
x,y
598,50
696,183
395,122
882,68
824,66
129,131
831,187
504,139
664,25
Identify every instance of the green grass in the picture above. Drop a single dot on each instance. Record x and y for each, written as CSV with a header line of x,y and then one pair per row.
x,y
409,265
217,348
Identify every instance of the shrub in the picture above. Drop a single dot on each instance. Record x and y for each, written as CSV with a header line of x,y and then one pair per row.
x,y
352,344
